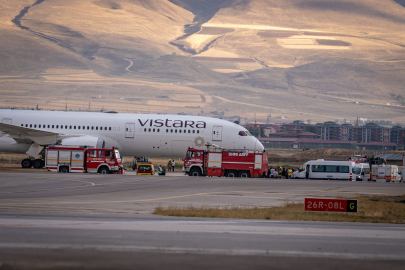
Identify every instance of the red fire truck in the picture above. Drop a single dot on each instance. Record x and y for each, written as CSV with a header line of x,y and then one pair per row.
x,y
221,162
82,160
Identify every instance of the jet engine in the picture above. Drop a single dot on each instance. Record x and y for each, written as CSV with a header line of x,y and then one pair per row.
x,y
84,141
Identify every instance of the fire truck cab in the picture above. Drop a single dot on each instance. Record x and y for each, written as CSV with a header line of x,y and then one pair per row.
x,y
216,161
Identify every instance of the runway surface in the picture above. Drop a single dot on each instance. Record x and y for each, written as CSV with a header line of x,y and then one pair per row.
x,y
67,221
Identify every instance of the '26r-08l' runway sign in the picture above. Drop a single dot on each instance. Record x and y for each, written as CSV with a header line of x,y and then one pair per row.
x,y
330,205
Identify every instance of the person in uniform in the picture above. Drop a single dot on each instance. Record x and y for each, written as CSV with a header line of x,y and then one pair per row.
x,y
169,164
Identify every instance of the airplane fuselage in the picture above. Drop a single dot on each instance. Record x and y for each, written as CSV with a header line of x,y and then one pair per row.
x,y
133,134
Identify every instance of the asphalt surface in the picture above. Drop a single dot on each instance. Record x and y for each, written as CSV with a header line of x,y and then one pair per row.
x,y
75,221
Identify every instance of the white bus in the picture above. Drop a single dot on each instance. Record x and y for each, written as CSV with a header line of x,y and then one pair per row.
x,y
327,170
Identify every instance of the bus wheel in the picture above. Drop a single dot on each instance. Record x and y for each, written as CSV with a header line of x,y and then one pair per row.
x,y
244,174
231,174
195,172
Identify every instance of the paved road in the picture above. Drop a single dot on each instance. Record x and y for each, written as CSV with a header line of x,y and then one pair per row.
x,y
66,221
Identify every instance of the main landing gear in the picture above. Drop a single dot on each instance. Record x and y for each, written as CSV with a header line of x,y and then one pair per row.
x,y
37,163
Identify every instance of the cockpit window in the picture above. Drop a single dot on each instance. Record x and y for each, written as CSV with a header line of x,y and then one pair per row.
x,y
242,133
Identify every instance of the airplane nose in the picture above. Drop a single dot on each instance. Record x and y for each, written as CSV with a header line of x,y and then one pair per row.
x,y
258,145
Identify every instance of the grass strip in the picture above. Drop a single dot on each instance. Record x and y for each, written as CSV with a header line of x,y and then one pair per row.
x,y
372,209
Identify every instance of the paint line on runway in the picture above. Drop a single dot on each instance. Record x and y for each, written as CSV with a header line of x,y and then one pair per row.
x,y
216,251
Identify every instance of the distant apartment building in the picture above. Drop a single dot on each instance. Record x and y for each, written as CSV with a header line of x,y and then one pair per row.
x,y
346,132
371,133
398,135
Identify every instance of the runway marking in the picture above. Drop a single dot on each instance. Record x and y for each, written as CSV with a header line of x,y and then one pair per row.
x,y
91,184
217,193
216,251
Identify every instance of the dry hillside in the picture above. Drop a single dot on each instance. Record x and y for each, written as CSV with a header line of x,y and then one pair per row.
x,y
303,59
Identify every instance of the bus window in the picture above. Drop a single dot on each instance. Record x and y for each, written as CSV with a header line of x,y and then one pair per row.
x,y
318,168
344,169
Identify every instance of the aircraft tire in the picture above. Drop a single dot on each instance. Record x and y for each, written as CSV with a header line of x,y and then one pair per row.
x,y
26,163
38,163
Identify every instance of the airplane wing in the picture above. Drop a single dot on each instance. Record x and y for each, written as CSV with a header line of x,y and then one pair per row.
x,y
41,137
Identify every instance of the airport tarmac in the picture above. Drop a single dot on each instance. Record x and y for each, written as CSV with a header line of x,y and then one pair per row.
x,y
76,221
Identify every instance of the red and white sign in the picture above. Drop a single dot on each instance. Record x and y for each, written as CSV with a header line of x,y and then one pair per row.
x,y
330,205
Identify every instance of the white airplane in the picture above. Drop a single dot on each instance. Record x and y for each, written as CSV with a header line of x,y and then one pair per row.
x,y
153,135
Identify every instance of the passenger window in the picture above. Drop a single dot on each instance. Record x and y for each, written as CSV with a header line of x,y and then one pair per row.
x,y
22,125
318,168
93,153
78,127
30,125
193,131
96,128
144,129
49,126
171,130
175,131
189,131
92,128
70,127
179,130
39,126
153,130
57,126
88,127
61,126
74,127
109,128
149,130
65,126
343,169
198,131
35,125
158,130
167,130
26,125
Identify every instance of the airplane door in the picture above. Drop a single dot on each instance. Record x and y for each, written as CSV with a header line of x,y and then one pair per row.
x,y
6,121
217,133
129,130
